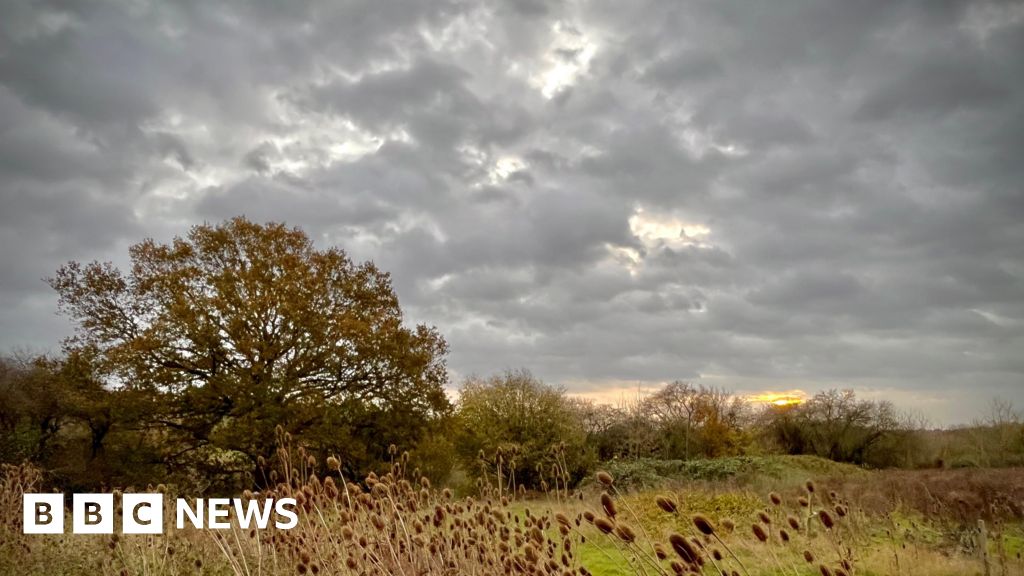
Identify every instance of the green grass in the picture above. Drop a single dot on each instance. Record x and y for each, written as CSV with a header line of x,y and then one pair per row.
x,y
598,563
925,545
778,472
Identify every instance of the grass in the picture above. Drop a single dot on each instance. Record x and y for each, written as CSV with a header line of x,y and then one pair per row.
x,y
774,472
901,523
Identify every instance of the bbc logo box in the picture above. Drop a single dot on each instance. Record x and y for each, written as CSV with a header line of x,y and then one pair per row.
x,y
144,513
93,513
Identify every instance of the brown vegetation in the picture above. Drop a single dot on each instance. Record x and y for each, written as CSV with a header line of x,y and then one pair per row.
x,y
393,523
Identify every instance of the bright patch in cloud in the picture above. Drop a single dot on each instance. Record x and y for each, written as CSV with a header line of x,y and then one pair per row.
x,y
569,55
656,230
996,319
505,167
630,258
700,143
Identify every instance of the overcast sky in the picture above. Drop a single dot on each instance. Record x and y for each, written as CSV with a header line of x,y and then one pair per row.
x,y
756,195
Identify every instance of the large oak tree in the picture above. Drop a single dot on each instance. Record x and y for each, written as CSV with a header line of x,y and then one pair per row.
x,y
239,327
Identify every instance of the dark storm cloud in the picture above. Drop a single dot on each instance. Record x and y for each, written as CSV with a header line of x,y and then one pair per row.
x,y
783,195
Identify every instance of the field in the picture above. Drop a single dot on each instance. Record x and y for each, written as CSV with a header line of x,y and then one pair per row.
x,y
749,516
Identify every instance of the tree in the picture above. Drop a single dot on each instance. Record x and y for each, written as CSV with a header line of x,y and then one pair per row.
x,y
612,431
30,411
674,406
524,419
835,424
240,327
998,439
845,428
696,420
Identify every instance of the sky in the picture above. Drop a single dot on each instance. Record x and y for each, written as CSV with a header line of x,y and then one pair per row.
x,y
761,196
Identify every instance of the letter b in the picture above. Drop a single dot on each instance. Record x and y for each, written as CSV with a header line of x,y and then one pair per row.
x,y
43,513
92,514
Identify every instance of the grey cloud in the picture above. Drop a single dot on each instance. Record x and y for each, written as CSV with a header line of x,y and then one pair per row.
x,y
680,69
943,83
291,200
171,146
258,159
848,174
810,289
429,99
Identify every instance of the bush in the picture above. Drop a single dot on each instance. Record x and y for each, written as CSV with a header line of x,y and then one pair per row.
x,y
649,473
515,424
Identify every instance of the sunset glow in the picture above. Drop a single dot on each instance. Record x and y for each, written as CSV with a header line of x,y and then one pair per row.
x,y
786,398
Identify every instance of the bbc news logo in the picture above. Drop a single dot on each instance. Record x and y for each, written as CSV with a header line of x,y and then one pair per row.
x,y
144,513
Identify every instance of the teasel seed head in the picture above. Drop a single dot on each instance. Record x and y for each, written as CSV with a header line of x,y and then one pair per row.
x,y
826,519
608,504
759,532
703,524
604,525
625,533
684,548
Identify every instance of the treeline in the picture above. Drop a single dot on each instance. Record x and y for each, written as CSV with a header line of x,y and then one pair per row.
x,y
683,421
511,426
189,367
56,414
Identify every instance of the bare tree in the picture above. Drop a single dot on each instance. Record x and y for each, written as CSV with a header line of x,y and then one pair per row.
x,y
836,424
709,418
998,438
675,403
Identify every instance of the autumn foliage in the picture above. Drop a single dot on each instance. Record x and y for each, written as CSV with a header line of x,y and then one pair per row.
x,y
210,341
